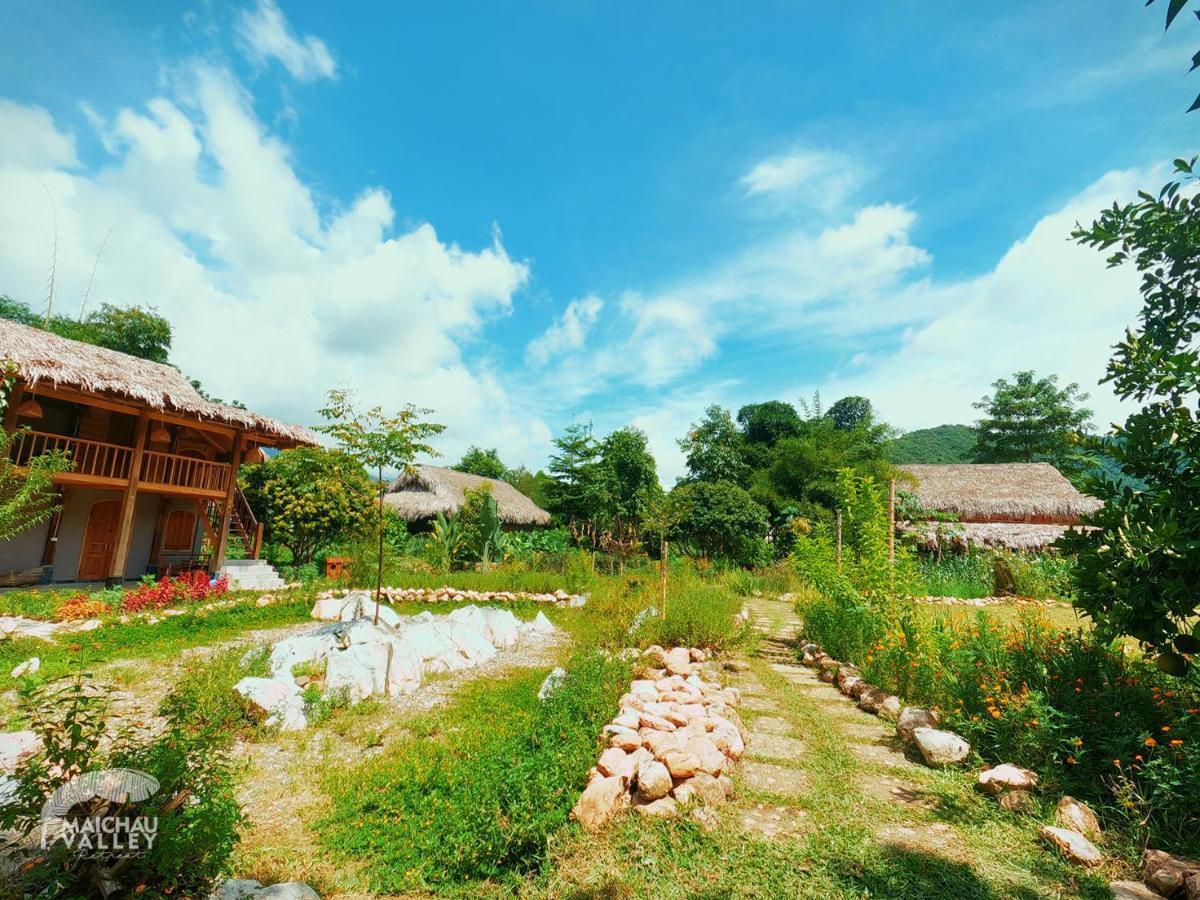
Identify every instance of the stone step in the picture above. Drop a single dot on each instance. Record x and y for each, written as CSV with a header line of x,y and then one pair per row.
x,y
251,574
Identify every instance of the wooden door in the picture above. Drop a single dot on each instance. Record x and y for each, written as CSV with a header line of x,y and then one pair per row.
x,y
99,540
180,534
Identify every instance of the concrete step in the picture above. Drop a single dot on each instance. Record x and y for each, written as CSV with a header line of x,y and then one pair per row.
x,y
251,574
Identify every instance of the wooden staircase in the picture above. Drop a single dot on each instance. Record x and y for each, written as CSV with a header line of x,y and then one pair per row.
x,y
242,523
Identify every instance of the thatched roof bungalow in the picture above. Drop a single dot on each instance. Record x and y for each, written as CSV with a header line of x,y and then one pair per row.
x,y
424,491
1020,506
149,484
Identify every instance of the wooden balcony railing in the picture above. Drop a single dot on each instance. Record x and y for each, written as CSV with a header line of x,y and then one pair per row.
x,y
184,471
95,459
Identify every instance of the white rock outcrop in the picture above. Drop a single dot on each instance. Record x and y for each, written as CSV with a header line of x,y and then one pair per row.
x,y
356,657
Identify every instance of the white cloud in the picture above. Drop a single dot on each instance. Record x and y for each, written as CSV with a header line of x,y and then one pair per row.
x,y
1048,305
567,333
272,299
266,35
812,177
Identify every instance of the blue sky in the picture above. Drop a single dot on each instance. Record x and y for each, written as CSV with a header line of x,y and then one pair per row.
x,y
523,214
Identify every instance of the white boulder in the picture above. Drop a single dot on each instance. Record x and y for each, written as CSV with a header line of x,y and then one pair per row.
x,y
276,699
941,748
16,747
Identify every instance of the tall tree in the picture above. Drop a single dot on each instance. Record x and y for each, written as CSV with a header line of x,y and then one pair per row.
x,y
577,491
379,442
1138,571
851,412
630,473
487,463
714,448
1031,419
136,330
766,423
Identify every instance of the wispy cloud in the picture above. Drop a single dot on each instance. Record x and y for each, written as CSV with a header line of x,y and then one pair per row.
x,y
567,333
814,178
266,35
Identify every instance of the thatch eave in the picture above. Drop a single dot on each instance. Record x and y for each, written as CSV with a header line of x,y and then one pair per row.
x,y
45,358
1017,493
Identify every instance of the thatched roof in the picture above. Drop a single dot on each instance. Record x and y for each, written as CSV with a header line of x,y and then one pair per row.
x,y
424,491
44,357
1005,535
1002,492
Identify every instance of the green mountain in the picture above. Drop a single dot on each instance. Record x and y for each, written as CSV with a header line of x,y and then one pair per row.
x,y
943,444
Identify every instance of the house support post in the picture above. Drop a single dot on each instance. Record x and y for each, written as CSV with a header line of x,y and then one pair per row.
x,y
227,508
116,575
15,396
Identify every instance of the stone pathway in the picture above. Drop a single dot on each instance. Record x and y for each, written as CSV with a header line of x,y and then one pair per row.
x,y
788,711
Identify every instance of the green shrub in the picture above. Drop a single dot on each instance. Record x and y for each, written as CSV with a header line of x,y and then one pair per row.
x,y
698,615
1090,719
481,798
956,575
204,695
198,817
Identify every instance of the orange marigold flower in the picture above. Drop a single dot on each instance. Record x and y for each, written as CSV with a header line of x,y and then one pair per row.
x,y
1176,742
1070,760
1151,742
1165,729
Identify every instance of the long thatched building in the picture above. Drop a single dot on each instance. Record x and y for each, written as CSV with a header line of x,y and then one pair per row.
x,y
152,478
1019,506
422,492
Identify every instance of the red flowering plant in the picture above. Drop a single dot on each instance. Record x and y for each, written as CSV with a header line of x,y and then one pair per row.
x,y
185,588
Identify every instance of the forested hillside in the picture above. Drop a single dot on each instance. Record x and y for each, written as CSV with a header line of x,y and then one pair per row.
x,y
942,444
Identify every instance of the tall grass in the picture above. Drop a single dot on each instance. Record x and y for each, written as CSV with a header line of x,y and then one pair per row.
x,y
478,796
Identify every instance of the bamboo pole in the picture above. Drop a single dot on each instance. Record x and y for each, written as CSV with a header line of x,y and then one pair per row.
x,y
664,553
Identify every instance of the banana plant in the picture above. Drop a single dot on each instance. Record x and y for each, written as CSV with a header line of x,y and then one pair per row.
x,y
447,539
491,532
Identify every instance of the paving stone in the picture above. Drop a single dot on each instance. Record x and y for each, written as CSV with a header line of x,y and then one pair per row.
x,y
772,822
878,754
772,724
760,704
903,793
774,779
936,838
774,746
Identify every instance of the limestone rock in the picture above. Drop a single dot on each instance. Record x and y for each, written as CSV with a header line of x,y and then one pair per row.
x,y
287,890
735,665
941,748
913,717
1166,873
870,700
1077,816
234,889
681,764
653,780
1072,845
890,708
1003,778
599,802
1017,801
616,763
28,667
276,700
679,661
1132,890
706,817
662,808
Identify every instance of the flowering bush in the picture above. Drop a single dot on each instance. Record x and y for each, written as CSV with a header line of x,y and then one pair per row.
x,y
1090,718
186,588
81,607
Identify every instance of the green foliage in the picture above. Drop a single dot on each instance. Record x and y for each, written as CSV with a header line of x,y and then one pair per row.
x,y
379,442
1032,419
27,494
136,330
308,498
527,544
1174,8
1092,720
197,810
630,475
447,542
534,485
850,413
483,536
1040,576
714,449
1138,570
769,422
486,463
576,493
719,520
203,695
479,800
941,444
699,614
